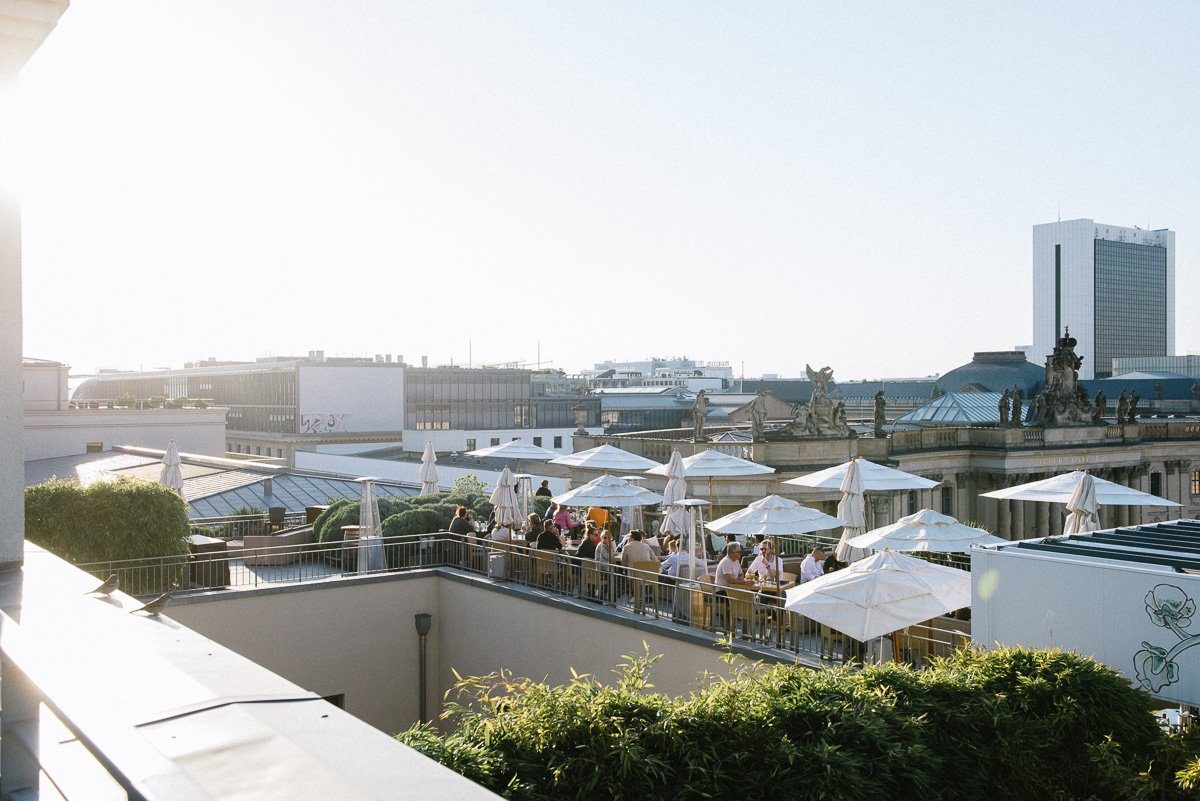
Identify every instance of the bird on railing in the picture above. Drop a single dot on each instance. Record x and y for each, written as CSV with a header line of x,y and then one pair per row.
x,y
155,606
110,585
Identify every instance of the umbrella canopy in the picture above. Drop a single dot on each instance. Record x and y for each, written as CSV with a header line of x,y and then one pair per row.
x,y
875,478
881,594
171,476
713,464
677,520
370,531
927,531
608,491
516,449
774,516
606,457
1084,511
1060,489
504,500
852,508
429,476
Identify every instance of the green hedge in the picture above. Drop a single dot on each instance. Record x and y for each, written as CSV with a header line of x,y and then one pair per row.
x,y
1003,724
437,512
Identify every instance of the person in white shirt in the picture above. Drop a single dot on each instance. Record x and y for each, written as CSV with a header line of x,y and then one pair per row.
x,y
766,566
813,565
678,562
729,569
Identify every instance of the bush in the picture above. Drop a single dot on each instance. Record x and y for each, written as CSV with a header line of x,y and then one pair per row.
x,y
540,504
1008,723
423,520
111,521
345,512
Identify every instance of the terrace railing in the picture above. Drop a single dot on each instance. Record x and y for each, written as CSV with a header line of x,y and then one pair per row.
x,y
751,616
237,527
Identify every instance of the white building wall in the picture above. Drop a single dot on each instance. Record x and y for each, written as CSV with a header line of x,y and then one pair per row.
x,y
44,386
353,398
410,472
50,434
455,440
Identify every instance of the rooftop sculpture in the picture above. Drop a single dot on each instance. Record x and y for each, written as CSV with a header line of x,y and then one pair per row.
x,y
1063,402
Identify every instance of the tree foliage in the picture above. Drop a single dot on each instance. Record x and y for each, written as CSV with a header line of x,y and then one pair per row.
x,y
1008,723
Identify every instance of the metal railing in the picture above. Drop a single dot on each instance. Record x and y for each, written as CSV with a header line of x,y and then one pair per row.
x,y
750,615
237,527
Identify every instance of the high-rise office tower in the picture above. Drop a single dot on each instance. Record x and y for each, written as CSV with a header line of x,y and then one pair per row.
x,y
1113,287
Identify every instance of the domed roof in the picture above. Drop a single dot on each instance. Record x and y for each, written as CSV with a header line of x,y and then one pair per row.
x,y
995,371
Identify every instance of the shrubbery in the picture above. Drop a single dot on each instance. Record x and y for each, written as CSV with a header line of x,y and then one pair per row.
x,y
1003,724
420,515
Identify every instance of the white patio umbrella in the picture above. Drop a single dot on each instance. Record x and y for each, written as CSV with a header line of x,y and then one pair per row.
x,y
429,476
713,464
875,478
675,519
1084,511
881,594
606,457
371,557
1060,489
171,476
853,509
504,500
927,531
516,450
608,491
774,516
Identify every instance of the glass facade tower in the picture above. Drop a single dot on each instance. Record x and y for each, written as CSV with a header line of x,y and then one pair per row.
x,y
1131,302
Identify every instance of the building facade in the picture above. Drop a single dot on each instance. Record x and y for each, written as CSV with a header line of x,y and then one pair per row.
x,y
1113,287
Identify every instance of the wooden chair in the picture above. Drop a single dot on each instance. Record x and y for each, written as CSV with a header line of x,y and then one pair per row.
x,y
643,579
741,611
833,645
594,580
544,568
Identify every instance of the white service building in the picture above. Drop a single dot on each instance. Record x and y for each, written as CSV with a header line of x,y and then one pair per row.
x,y
1113,287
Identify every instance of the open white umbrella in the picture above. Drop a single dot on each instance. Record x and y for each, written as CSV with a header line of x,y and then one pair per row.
x,y
606,457
1084,511
504,500
774,516
516,450
608,491
881,594
874,477
1060,489
429,476
371,557
713,464
853,509
171,476
927,531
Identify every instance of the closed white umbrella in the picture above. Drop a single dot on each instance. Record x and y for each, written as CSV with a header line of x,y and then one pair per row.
x,y
504,500
429,476
171,476
774,516
608,491
927,531
675,520
606,457
1084,511
1060,489
371,557
852,508
874,477
881,594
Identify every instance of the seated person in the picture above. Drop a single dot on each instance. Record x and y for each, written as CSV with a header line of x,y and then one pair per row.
x,y
533,529
637,550
813,565
767,567
547,540
587,548
679,564
729,570
501,534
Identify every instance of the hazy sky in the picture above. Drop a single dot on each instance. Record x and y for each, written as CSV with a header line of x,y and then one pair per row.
x,y
850,184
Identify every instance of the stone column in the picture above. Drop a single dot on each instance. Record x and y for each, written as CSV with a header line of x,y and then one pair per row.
x,y
1043,519
1004,511
1056,519
1018,520
1121,476
12,416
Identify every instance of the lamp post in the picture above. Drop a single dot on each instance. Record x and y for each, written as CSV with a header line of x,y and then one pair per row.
x,y
423,622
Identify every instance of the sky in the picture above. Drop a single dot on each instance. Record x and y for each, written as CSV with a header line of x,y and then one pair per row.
x,y
851,184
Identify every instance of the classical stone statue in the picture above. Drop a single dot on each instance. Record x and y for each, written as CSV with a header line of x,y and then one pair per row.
x,y
937,392
820,378
758,415
839,416
1004,399
1063,402
1122,408
823,419
1017,399
699,416
1195,398
799,425
1133,405
1098,408
880,413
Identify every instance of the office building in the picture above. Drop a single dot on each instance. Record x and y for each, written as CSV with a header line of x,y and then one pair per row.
x,y
1113,287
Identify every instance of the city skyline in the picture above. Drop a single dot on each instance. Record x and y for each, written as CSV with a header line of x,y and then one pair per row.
x,y
842,186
